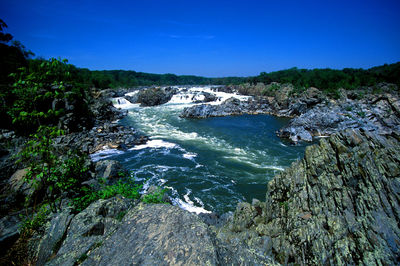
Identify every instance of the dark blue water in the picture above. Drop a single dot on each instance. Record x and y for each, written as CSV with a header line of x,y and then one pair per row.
x,y
208,164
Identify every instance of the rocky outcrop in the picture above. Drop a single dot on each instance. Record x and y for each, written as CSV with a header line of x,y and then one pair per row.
x,y
231,106
280,104
108,135
378,113
338,205
104,111
155,96
69,239
108,169
157,235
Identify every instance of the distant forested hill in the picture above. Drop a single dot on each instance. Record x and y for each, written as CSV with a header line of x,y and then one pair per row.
x,y
348,78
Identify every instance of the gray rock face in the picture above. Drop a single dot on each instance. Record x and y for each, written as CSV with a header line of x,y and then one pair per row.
x,y
379,113
157,235
110,135
108,169
231,106
339,205
155,96
86,231
9,232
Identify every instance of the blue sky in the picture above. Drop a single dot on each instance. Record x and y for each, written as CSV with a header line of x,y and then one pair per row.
x,y
209,38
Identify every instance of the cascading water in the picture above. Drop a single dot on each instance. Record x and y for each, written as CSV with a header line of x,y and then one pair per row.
x,y
208,164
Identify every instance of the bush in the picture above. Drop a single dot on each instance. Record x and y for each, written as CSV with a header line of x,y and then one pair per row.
x,y
124,187
156,197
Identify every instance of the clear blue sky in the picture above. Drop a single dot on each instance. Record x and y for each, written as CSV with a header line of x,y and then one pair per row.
x,y
209,38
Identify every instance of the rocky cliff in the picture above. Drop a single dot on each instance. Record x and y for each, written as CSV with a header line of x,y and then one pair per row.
x,y
339,205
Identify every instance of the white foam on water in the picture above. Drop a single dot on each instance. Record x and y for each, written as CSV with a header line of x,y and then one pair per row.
x,y
122,103
191,95
189,155
155,144
255,165
199,201
187,204
132,93
189,207
186,197
105,153
273,167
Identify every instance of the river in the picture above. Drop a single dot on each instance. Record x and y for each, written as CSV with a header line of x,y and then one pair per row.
x,y
207,164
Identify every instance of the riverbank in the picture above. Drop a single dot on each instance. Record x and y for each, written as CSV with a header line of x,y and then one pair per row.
x,y
337,205
315,114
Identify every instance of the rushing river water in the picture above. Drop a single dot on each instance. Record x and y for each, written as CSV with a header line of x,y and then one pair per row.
x,y
208,164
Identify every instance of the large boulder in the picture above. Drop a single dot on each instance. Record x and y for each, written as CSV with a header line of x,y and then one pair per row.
x,y
108,169
157,235
70,240
155,96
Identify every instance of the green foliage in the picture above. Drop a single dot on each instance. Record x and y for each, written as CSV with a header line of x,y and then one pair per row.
x,y
49,172
35,221
361,114
121,215
124,187
269,89
35,92
331,79
155,197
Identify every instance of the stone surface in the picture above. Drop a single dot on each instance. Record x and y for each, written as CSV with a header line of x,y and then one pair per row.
x,y
337,206
155,96
108,169
88,229
157,235
54,236
9,232
378,113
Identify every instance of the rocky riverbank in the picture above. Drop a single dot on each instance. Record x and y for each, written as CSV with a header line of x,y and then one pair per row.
x,y
338,205
315,114
106,133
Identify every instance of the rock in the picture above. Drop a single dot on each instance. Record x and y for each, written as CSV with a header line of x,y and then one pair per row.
x,y
207,97
379,113
338,205
155,96
87,230
104,111
54,236
19,185
157,235
231,106
282,96
108,169
9,231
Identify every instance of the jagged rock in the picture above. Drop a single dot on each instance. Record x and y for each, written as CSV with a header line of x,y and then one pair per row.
x,y
104,111
9,231
231,106
108,169
338,205
379,113
54,236
155,96
157,235
19,185
88,229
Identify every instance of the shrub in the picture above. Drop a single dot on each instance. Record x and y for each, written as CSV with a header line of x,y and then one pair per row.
x,y
124,187
155,197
